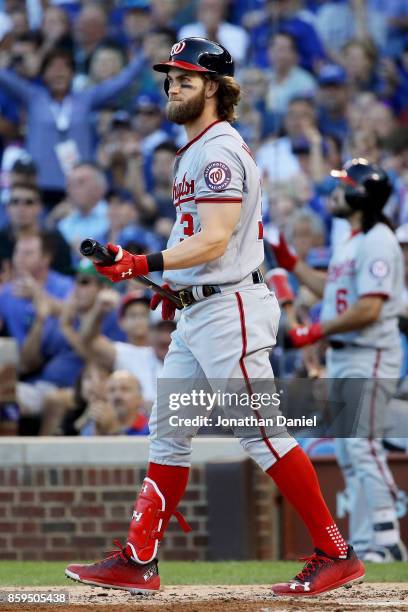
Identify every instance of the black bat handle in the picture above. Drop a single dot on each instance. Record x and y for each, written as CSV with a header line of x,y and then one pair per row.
x,y
95,251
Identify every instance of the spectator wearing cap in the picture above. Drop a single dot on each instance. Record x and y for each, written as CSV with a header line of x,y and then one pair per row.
x,y
52,355
332,99
137,355
121,413
287,79
25,210
211,24
87,206
59,127
34,285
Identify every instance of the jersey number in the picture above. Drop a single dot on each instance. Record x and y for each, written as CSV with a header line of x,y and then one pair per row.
x,y
187,220
341,300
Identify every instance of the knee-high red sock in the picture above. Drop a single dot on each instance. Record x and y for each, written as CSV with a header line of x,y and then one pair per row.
x,y
171,480
297,480
161,491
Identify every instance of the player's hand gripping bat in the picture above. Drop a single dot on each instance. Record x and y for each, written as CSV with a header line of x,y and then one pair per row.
x,y
92,249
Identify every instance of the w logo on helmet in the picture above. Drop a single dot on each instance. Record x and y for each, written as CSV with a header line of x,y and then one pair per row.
x,y
177,48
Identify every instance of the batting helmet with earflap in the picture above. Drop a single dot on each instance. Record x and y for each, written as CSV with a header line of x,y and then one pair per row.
x,y
199,55
367,186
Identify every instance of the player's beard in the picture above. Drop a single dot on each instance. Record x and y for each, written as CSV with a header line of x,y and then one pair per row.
x,y
342,212
339,207
184,112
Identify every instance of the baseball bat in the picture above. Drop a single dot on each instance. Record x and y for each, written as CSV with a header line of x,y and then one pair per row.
x,y
98,253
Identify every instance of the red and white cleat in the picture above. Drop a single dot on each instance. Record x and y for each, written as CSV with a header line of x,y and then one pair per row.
x,y
322,573
118,571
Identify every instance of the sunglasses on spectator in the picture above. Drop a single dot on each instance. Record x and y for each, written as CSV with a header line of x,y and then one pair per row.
x,y
84,280
26,201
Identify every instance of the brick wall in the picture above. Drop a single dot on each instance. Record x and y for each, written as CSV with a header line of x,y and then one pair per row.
x,y
68,499
267,516
61,513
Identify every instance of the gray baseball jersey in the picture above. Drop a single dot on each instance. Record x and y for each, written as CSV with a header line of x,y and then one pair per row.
x,y
366,264
217,168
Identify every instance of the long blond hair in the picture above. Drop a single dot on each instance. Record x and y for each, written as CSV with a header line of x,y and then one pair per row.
x,y
228,95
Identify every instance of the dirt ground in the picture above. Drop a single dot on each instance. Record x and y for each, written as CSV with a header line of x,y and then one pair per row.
x,y
254,598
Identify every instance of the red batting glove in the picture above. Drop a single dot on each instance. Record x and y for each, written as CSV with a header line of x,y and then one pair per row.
x,y
284,256
168,307
126,265
277,281
305,334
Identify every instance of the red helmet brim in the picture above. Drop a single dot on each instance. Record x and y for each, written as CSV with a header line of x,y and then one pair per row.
x,y
165,66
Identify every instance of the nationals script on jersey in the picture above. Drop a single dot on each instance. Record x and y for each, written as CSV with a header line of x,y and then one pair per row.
x,y
366,264
215,168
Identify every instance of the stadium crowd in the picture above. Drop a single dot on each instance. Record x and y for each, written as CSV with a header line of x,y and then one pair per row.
x,y
86,150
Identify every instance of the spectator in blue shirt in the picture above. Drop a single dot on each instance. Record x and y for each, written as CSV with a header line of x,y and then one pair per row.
x,y
88,210
332,98
285,16
287,78
59,126
33,282
52,355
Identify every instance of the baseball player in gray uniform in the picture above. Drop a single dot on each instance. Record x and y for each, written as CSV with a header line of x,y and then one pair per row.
x,y
361,302
227,326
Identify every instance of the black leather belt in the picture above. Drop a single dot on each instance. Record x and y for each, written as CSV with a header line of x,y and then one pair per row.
x,y
187,298
338,345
